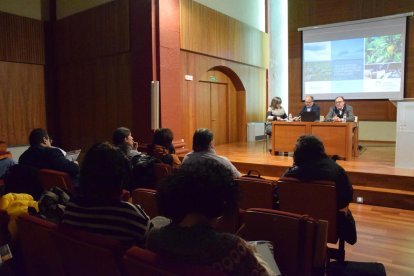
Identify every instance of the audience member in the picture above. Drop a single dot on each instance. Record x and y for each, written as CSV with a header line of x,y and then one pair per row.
x,y
312,163
42,155
123,139
275,112
5,164
339,111
98,208
162,147
309,106
193,198
203,148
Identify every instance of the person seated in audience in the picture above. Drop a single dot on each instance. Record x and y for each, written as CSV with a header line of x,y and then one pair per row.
x,y
194,197
5,164
203,148
162,147
42,155
310,162
309,106
97,208
123,139
275,112
339,111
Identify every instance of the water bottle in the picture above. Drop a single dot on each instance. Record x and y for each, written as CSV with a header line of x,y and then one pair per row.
x,y
344,118
290,118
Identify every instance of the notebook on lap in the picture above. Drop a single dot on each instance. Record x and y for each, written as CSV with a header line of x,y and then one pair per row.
x,y
308,116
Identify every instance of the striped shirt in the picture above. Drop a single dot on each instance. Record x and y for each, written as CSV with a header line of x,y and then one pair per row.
x,y
119,220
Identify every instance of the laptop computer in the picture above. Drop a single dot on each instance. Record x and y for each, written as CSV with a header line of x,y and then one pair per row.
x,y
308,116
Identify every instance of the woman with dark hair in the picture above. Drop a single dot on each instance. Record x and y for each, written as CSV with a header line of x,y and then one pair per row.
x,y
123,139
194,198
162,147
310,162
98,208
275,112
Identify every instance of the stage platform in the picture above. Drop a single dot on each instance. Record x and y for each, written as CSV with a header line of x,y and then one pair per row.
x,y
372,173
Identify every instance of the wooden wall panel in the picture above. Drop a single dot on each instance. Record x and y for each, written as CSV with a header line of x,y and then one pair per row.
x,y
209,32
317,12
94,99
22,88
96,32
252,98
22,101
21,39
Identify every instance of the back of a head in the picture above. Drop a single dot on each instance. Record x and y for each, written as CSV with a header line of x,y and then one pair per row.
x,y
163,137
205,188
119,135
36,136
308,148
105,170
202,139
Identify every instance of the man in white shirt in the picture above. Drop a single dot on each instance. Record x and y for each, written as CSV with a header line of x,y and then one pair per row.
x,y
203,148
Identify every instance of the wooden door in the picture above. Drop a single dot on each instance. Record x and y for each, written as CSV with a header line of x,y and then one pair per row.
x,y
219,118
211,105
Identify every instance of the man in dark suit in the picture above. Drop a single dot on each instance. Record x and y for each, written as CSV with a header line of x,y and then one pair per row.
x,y
309,106
42,155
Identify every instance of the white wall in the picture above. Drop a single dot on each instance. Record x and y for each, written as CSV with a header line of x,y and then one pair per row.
x,y
251,12
377,131
66,8
26,8
278,49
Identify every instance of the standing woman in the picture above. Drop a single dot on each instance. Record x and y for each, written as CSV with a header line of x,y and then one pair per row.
x,y
275,112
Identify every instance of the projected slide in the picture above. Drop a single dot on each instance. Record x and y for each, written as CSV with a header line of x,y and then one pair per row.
x,y
362,59
366,65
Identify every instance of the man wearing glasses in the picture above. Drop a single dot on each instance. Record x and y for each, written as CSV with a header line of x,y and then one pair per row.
x,y
341,112
310,106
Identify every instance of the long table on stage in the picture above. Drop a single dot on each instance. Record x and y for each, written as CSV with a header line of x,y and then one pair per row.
x,y
338,138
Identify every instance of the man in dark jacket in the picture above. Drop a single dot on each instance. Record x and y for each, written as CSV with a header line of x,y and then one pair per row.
x,y
42,155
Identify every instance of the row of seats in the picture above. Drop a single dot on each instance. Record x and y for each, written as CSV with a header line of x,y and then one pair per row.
x,y
50,249
300,241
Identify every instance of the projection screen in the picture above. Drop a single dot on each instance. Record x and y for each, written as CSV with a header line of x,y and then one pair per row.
x,y
361,59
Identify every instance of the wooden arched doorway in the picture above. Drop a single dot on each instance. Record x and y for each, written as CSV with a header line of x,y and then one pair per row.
x,y
220,105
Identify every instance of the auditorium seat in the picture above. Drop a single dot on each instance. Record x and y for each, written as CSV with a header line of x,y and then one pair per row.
x,y
299,241
255,192
40,255
146,199
317,199
85,253
139,261
51,178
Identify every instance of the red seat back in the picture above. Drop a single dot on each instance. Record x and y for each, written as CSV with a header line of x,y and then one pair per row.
x,y
255,192
146,199
39,252
315,198
51,178
293,236
144,262
85,253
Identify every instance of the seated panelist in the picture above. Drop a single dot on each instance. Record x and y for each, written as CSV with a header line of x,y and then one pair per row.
x,y
309,106
275,112
340,111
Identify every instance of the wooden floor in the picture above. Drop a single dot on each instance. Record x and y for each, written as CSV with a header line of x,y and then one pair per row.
x,y
385,234
373,158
